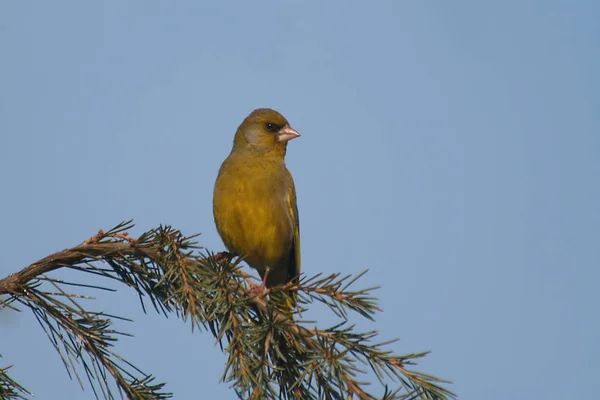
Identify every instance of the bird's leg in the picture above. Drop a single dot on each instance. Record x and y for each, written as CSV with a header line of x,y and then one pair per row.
x,y
260,289
263,284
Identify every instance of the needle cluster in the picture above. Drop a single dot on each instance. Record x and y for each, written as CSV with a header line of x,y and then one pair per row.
x,y
270,354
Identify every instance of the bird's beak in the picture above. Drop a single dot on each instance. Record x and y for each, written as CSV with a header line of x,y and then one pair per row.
x,y
286,134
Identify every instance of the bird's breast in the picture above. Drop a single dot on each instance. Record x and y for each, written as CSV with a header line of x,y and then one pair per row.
x,y
252,216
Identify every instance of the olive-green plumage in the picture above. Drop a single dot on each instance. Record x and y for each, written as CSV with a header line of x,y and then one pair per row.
x,y
254,200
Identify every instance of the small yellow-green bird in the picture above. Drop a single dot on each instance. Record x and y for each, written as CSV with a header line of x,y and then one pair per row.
x,y
254,201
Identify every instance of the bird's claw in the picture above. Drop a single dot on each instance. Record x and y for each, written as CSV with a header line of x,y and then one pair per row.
x,y
221,256
260,289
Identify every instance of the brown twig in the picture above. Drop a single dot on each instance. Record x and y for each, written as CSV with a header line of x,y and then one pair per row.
x,y
13,283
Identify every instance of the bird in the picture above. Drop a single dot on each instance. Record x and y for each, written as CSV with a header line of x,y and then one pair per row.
x,y
254,203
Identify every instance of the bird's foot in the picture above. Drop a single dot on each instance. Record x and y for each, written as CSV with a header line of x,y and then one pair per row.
x,y
260,289
222,256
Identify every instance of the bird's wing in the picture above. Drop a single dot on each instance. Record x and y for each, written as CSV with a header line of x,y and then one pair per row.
x,y
294,268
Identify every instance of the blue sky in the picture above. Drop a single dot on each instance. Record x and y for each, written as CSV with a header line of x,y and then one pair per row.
x,y
452,148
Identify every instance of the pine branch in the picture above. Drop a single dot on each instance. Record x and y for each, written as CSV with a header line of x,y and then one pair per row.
x,y
270,355
83,338
10,389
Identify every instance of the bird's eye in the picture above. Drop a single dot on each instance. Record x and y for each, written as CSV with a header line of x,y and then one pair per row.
x,y
272,127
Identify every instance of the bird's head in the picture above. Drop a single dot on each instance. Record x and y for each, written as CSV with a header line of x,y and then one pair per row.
x,y
264,131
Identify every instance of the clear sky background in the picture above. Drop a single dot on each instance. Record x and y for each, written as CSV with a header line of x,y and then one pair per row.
x,y
451,147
